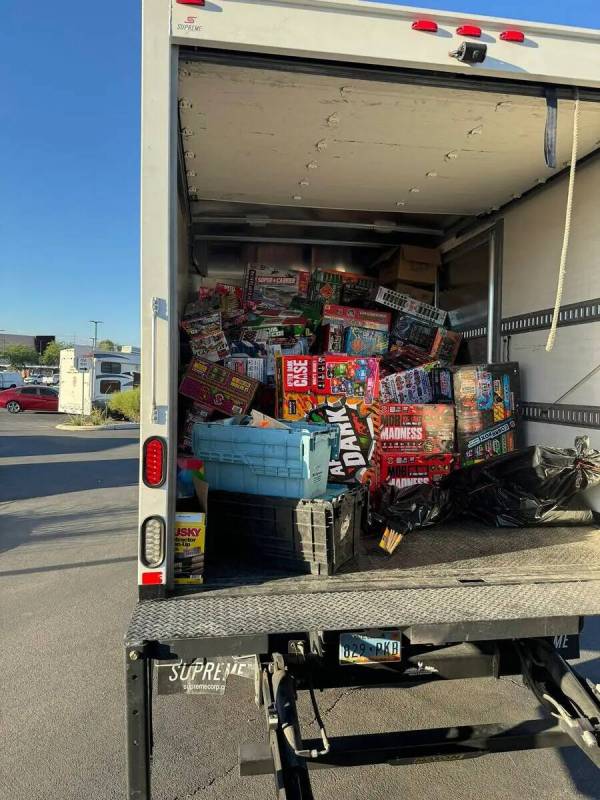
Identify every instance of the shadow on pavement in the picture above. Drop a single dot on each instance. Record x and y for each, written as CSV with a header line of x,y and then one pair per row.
x,y
22,446
26,481
19,529
75,565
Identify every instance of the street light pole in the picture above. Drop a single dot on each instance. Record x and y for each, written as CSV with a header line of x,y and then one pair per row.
x,y
95,323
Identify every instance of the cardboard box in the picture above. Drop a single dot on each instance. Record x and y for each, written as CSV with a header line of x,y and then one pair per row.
x,y
305,381
426,384
415,428
365,341
358,422
190,539
486,397
406,469
419,264
218,388
363,317
274,288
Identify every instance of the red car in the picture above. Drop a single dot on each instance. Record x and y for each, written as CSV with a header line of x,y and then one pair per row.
x,y
29,398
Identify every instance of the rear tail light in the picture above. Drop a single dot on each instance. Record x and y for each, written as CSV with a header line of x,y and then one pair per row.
x,y
153,542
152,578
154,461
469,30
191,2
512,36
425,25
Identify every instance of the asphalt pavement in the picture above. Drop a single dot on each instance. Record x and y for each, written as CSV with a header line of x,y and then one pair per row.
x,y
67,588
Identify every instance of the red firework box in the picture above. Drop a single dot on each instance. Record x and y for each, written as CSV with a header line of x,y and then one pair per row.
x,y
417,428
409,469
304,382
361,317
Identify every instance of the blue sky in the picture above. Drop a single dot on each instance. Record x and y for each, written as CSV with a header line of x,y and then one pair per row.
x,y
69,139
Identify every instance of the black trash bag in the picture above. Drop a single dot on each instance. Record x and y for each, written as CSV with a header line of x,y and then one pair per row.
x,y
535,486
410,508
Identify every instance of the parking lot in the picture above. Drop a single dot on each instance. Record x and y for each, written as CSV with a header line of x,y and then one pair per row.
x,y
67,569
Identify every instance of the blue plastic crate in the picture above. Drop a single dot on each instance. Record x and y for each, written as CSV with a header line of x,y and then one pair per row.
x,y
268,461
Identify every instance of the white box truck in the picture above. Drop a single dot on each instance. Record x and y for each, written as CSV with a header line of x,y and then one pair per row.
x,y
346,129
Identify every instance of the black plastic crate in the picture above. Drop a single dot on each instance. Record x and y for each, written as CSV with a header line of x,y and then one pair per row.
x,y
316,536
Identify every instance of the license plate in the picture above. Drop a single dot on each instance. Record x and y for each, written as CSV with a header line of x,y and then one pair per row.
x,y
370,647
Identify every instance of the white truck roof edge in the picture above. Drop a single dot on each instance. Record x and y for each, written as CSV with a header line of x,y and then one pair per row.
x,y
360,31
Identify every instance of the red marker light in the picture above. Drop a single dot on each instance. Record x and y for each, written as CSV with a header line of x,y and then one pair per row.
x,y
469,30
425,25
512,36
191,2
154,459
151,578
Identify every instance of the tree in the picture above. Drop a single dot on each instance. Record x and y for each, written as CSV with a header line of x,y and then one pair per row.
x,y
51,355
108,345
19,355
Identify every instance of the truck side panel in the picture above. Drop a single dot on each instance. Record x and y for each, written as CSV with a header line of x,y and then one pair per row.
x,y
158,256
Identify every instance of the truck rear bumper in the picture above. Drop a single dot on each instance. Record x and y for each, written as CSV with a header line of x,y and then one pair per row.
x,y
214,622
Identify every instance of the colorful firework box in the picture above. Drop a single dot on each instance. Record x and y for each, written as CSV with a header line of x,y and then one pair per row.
x,y
358,423
437,343
331,337
197,413
356,289
406,469
486,397
362,317
273,288
304,382
427,384
326,286
416,428
252,367
218,388
365,341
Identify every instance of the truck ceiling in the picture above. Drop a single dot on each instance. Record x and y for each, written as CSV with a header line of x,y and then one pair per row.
x,y
273,137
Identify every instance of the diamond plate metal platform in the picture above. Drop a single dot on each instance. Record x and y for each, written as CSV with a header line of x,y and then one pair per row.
x,y
460,583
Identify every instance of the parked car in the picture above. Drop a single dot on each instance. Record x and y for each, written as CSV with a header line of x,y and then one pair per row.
x,y
10,380
29,398
50,380
33,380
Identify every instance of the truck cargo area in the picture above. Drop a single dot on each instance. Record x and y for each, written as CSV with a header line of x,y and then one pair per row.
x,y
297,152
335,169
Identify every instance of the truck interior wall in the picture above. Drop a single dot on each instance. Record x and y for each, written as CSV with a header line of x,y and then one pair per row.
x,y
185,269
226,262
464,294
533,237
